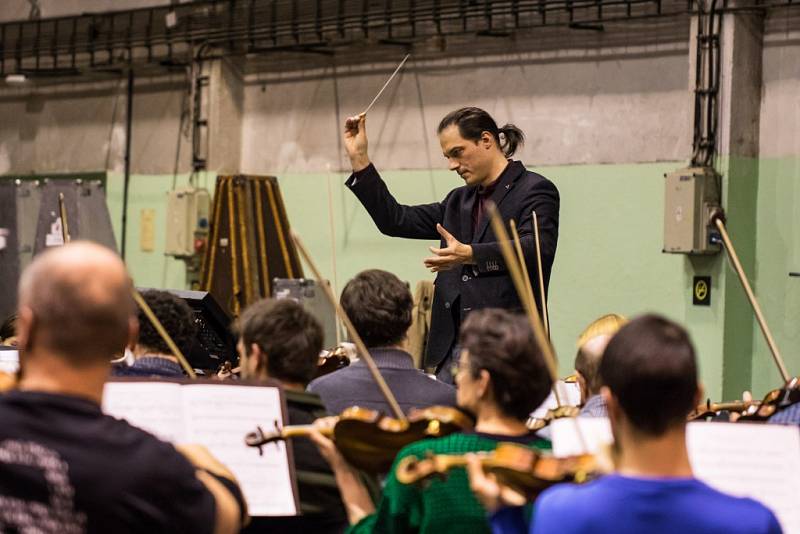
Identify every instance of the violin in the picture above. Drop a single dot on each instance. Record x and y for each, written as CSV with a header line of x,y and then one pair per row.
x,y
775,401
331,361
712,409
370,440
535,424
521,468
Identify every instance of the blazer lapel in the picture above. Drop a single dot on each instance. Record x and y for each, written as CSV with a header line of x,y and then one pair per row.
x,y
507,180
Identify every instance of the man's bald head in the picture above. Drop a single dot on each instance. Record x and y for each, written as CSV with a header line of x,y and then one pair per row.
x,y
587,362
75,301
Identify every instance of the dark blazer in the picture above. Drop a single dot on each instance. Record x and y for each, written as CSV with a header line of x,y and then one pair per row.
x,y
486,284
354,385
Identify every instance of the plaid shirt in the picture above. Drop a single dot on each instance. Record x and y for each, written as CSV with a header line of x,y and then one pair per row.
x,y
595,407
787,416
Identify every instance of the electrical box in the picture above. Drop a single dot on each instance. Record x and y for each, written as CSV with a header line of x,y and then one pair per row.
x,y
690,196
188,212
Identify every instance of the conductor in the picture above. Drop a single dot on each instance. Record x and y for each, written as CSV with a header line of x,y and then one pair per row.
x,y
471,273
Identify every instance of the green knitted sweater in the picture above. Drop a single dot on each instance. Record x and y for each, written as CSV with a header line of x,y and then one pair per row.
x,y
443,505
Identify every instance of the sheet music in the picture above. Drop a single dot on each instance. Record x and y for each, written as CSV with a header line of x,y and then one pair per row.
x,y
751,460
219,416
743,459
151,406
595,431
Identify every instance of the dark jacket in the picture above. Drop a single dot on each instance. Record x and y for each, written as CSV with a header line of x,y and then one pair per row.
x,y
486,284
354,385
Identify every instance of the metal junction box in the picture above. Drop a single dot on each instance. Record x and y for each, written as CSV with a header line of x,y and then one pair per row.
x,y
690,196
187,216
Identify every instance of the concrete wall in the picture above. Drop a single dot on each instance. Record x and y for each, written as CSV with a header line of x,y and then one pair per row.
x,y
604,123
778,230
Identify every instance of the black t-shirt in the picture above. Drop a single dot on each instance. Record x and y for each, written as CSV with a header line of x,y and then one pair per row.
x,y
320,503
66,468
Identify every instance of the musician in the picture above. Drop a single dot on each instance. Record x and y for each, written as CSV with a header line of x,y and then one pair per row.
x,y
501,377
471,273
379,305
64,465
280,340
591,344
152,355
650,375
787,416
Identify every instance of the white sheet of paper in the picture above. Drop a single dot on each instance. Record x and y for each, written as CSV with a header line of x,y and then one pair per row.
x,y
568,392
151,406
751,460
595,433
218,417
743,459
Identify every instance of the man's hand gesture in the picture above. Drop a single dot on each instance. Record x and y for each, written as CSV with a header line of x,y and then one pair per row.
x,y
453,254
355,141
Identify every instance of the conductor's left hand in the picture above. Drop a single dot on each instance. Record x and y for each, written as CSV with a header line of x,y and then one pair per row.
x,y
453,254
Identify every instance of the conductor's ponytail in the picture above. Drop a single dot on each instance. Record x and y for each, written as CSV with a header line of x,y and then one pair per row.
x,y
511,138
472,122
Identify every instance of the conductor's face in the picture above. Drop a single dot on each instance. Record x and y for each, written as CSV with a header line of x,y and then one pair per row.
x,y
472,160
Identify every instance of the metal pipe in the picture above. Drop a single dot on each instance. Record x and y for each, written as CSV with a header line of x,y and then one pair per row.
x,y
126,183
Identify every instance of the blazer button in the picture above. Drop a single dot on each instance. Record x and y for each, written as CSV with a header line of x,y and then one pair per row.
x,y
447,305
464,278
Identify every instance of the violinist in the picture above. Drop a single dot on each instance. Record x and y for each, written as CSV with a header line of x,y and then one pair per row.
x,y
501,378
787,416
379,305
280,340
152,356
650,375
591,344
64,465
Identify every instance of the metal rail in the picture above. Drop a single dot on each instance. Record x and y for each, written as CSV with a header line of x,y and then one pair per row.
x,y
166,34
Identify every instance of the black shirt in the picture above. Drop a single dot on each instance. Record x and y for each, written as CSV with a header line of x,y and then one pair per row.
x,y
66,468
320,503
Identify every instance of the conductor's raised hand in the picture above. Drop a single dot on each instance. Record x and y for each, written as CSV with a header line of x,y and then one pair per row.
x,y
355,141
453,254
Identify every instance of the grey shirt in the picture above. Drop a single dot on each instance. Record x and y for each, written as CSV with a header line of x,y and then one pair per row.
x,y
354,385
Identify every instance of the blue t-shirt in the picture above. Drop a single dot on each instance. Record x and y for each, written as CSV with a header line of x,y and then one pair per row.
x,y
624,505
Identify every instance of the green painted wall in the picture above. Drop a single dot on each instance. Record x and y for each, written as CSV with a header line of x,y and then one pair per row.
x,y
149,269
609,256
777,254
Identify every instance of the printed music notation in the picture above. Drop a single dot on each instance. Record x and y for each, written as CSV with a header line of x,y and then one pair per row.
x,y
217,416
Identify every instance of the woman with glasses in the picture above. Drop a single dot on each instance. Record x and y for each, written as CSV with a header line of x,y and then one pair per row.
x,y
501,378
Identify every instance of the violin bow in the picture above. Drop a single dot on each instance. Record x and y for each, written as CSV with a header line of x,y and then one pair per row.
x,y
62,210
521,259
542,295
515,270
376,374
162,332
718,219
533,314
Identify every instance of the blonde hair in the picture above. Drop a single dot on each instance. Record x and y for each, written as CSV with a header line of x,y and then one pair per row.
x,y
608,325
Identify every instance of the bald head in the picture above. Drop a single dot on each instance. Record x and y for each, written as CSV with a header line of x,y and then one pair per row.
x,y
75,301
587,362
